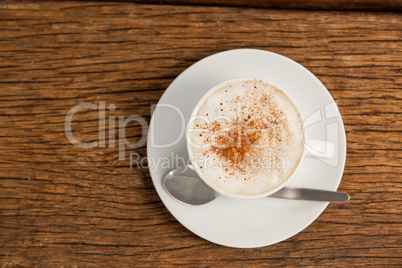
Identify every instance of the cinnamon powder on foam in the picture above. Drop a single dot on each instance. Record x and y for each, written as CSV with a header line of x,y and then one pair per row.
x,y
259,127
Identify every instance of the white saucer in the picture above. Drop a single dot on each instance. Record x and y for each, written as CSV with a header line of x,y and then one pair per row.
x,y
259,222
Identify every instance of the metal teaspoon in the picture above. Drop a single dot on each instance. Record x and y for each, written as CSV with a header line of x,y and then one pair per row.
x,y
185,186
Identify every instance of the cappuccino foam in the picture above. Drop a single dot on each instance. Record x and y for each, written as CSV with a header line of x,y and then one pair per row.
x,y
246,137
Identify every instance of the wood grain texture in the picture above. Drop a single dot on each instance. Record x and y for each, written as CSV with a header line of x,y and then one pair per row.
x,y
371,5
64,206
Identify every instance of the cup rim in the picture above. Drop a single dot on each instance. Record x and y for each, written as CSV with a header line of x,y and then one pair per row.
x,y
197,168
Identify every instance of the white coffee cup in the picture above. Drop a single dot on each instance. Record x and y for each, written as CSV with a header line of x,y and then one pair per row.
x,y
317,146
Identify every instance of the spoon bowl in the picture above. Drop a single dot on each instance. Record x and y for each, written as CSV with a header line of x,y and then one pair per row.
x,y
184,185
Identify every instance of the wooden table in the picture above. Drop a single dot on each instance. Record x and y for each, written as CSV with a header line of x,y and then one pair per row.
x,y
65,206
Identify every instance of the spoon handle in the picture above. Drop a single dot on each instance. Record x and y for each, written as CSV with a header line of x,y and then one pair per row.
x,y
310,194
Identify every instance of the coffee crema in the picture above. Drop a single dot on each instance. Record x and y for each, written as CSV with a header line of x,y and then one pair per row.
x,y
246,137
